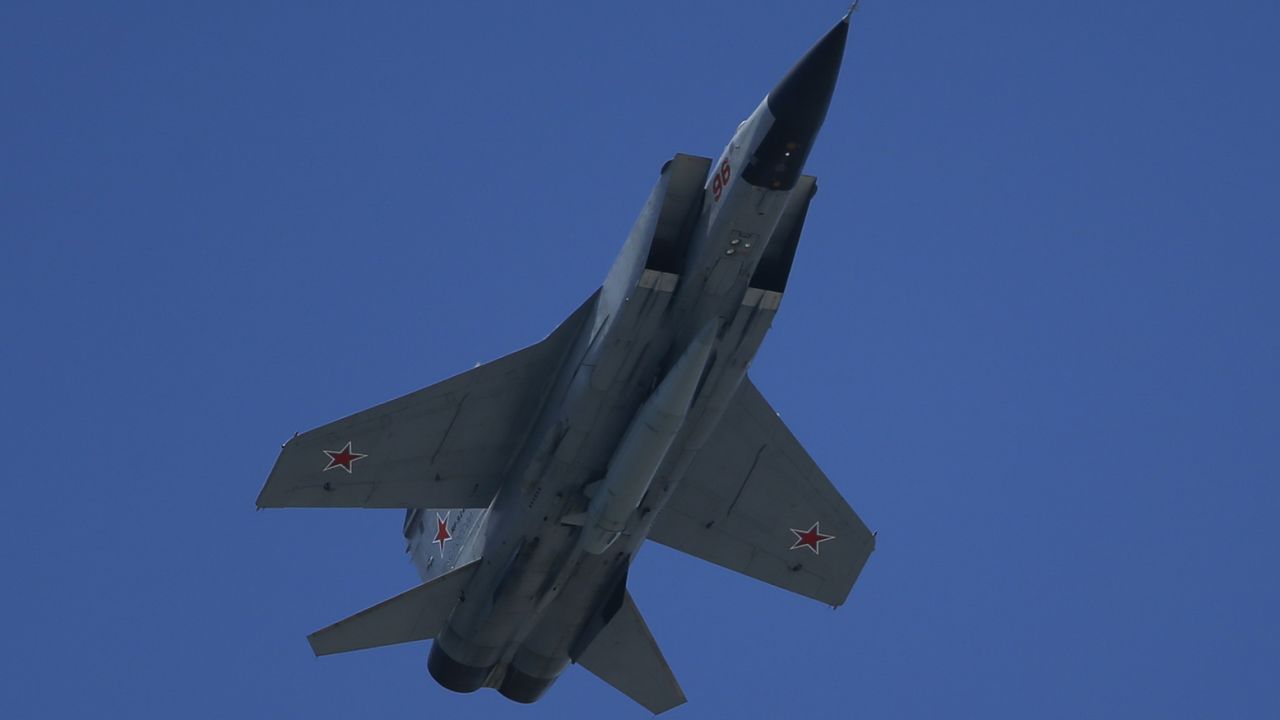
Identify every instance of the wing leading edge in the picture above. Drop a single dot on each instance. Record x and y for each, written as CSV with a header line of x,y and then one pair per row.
x,y
755,502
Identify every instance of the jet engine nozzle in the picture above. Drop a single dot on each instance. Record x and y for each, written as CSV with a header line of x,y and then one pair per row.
x,y
453,675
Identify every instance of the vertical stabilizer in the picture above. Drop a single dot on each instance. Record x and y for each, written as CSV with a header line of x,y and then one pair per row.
x,y
626,656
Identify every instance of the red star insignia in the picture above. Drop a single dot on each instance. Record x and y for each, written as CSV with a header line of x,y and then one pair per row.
x,y
342,458
811,538
442,532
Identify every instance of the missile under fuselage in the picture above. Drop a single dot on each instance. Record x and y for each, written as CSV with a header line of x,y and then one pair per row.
x,y
644,446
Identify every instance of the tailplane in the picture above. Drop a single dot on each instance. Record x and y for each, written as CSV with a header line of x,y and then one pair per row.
x,y
419,614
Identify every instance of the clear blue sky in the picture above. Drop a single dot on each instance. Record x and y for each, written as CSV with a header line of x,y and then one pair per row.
x,y
1031,334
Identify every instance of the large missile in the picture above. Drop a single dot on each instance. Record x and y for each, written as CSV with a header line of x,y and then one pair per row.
x,y
644,446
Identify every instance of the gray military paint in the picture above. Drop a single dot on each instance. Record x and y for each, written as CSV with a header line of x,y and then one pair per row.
x,y
634,420
643,448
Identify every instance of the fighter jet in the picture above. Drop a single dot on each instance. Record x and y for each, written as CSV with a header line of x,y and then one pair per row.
x,y
530,483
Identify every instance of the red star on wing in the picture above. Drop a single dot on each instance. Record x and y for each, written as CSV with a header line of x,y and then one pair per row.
x,y
342,458
442,532
811,538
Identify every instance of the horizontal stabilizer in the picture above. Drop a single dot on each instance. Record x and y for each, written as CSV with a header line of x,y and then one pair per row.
x,y
626,656
418,614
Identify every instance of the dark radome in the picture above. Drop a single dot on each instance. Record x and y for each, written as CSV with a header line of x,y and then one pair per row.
x,y
799,105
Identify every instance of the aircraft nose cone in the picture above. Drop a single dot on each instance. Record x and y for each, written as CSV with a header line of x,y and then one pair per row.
x,y
799,105
805,92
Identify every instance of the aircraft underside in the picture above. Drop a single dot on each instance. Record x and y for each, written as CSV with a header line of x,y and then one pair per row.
x,y
529,483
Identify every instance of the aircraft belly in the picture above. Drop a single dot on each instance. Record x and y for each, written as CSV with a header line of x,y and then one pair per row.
x,y
534,604
508,599
550,465
638,320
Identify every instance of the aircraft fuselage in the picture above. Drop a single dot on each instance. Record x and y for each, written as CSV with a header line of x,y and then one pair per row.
x,y
647,379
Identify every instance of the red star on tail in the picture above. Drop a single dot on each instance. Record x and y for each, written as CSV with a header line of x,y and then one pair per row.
x,y
442,532
810,538
342,458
